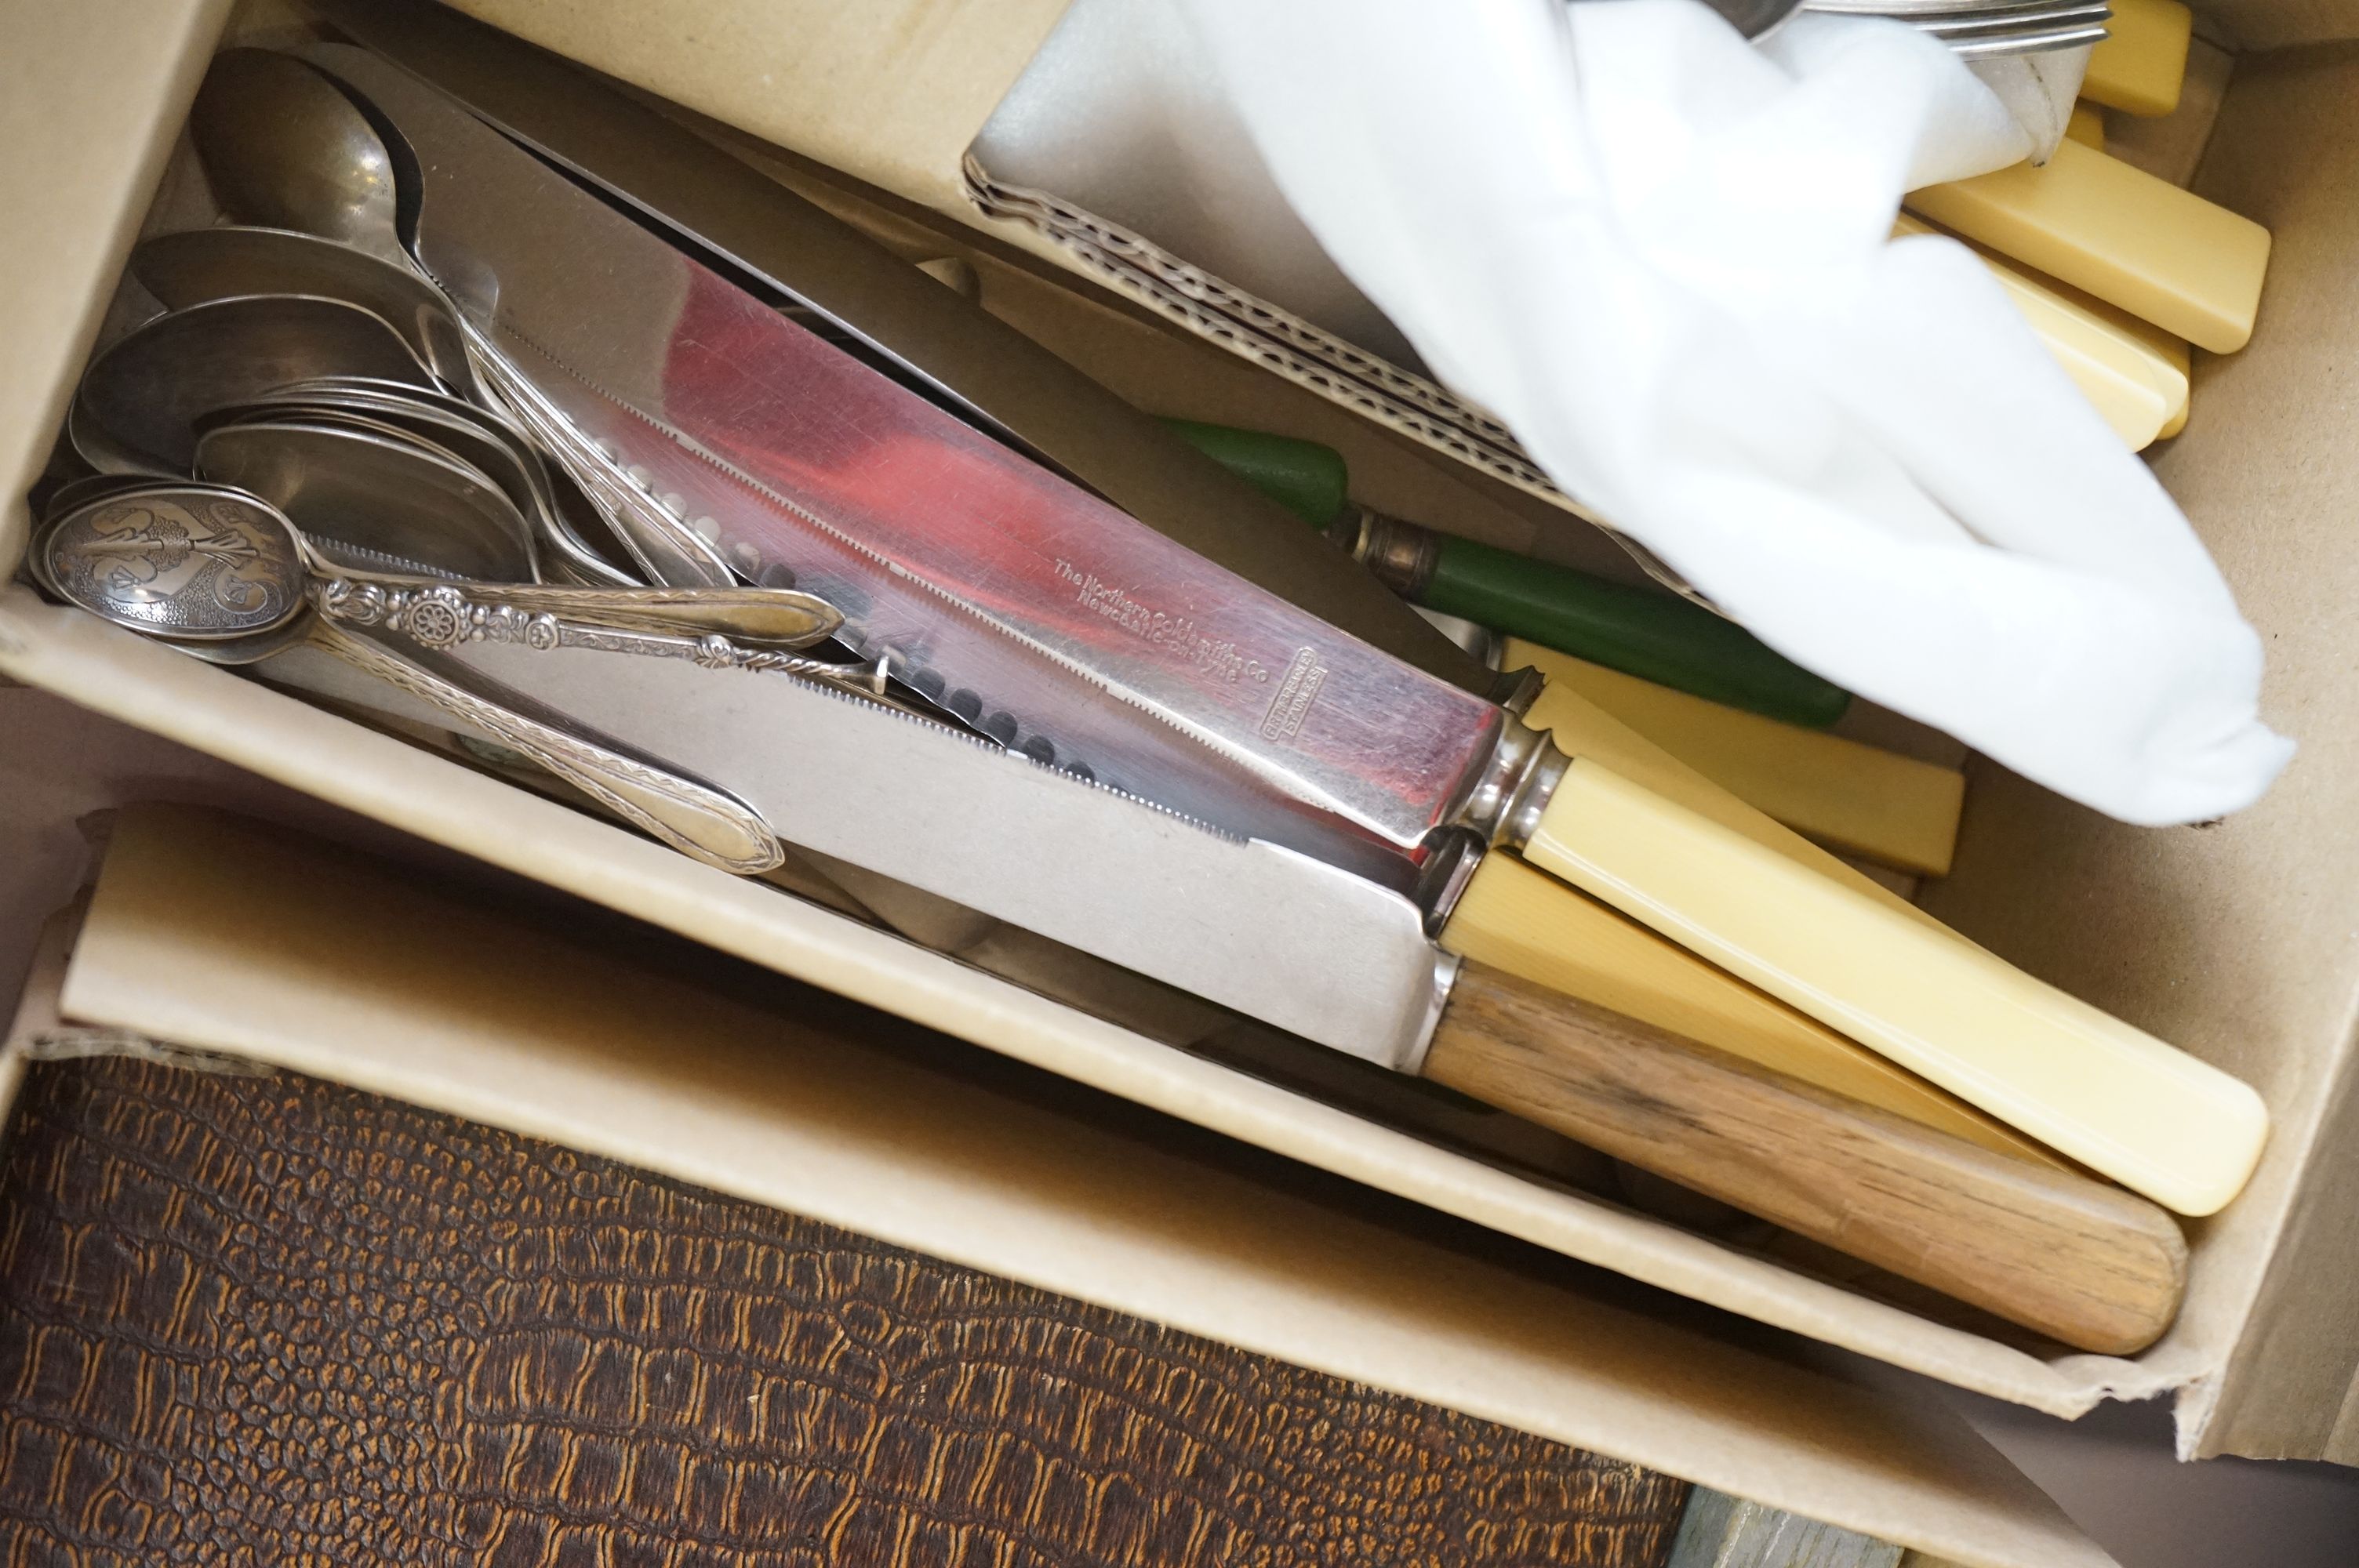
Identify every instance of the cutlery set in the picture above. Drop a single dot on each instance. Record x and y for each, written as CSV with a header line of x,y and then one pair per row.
x,y
497,388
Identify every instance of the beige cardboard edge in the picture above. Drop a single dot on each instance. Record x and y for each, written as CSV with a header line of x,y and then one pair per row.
x,y
2235,938
893,90
74,199
211,710
219,932
37,1005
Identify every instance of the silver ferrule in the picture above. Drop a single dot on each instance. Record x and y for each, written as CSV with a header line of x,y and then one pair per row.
x,y
1505,803
1445,975
1451,856
1401,555
1515,690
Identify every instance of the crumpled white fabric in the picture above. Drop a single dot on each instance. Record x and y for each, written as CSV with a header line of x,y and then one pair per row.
x,y
1660,255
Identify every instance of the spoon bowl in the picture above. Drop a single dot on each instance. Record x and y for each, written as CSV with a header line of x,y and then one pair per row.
x,y
282,147
139,403
227,576
384,496
188,563
198,265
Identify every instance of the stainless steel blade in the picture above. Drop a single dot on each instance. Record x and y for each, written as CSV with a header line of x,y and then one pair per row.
x,y
1273,933
685,183
614,326
796,453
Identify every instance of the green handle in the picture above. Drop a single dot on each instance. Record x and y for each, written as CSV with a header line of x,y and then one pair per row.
x,y
1307,479
1651,635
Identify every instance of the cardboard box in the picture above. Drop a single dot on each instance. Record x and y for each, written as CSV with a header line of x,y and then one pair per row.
x,y
2231,940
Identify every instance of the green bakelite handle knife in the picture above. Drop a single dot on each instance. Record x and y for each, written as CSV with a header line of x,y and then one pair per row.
x,y
1654,636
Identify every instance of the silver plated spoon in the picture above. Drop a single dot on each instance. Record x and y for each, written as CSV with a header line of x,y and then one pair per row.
x,y
379,493
137,406
481,437
233,261
225,576
283,146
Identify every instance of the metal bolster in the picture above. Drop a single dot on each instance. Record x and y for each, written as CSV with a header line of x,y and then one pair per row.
x,y
1503,804
1515,690
1402,556
1445,975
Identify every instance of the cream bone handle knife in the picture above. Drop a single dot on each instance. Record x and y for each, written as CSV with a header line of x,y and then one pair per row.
x,y
1304,736
1328,955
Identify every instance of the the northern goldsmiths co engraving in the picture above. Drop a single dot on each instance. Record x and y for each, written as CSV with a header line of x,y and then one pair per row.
x,y
1176,632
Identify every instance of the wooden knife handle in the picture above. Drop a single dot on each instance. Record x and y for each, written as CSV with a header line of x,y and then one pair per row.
x,y
1517,918
2120,1101
2085,1263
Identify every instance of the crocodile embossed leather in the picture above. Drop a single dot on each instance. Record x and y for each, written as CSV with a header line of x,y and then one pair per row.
x,y
273,1320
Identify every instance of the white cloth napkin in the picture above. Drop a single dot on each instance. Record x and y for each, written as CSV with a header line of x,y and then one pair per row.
x,y
1660,255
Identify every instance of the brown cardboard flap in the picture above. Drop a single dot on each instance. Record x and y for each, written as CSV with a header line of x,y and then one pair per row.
x,y
2257,25
226,933
2236,939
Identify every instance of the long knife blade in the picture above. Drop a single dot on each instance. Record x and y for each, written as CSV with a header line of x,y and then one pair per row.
x,y
630,339
715,395
676,178
1273,933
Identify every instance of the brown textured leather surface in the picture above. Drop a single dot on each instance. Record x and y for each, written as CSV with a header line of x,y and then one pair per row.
x,y
277,1320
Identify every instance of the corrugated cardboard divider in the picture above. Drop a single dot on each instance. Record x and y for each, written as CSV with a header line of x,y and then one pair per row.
x,y
230,934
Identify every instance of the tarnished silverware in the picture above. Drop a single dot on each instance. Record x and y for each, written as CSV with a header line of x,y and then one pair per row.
x,y
232,261
284,146
225,576
140,400
378,492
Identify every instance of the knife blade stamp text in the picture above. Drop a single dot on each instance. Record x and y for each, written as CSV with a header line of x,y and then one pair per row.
x,y
1175,634
1295,693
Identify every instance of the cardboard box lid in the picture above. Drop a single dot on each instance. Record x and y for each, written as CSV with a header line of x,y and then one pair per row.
x,y
237,937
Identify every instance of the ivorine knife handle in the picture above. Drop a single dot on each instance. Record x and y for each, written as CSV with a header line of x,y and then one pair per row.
x,y
2112,1097
2067,1256
1526,922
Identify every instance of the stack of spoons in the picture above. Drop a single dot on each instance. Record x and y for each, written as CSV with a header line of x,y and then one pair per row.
x,y
309,446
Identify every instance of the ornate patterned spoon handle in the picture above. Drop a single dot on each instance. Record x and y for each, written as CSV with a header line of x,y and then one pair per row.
x,y
444,615
694,819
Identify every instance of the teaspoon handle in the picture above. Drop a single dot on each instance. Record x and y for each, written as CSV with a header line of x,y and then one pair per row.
x,y
667,549
694,819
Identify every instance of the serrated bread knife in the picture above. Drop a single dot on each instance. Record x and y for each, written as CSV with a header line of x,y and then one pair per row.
x,y
1296,944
